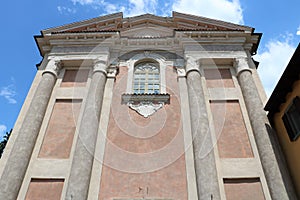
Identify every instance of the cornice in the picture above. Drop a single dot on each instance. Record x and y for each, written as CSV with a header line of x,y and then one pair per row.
x,y
84,23
177,16
186,28
167,43
118,23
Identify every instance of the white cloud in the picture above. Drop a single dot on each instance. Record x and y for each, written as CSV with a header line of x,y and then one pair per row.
x,y
225,10
3,128
273,61
108,7
64,10
8,92
138,7
298,31
83,2
111,8
129,8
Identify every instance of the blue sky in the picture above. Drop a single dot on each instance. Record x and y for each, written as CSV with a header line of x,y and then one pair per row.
x,y
279,22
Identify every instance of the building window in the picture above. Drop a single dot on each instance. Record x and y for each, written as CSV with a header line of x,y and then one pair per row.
x,y
146,79
146,84
291,119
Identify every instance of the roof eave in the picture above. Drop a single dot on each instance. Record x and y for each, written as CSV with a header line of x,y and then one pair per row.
x,y
285,84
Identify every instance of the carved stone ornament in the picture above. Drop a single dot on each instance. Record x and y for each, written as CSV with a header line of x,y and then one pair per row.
x,y
145,104
100,66
54,67
241,64
146,108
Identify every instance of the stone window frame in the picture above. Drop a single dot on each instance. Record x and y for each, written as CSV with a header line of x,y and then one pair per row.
x,y
149,71
291,119
146,104
146,56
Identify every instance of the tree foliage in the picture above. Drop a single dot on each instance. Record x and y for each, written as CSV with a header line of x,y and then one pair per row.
x,y
4,142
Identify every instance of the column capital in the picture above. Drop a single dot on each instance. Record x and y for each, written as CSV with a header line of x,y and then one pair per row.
x,y
100,66
241,64
192,65
181,73
53,67
112,71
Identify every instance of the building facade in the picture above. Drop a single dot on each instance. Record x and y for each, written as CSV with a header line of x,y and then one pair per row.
x,y
146,107
284,115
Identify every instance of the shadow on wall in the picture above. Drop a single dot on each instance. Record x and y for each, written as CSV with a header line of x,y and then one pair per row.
x,y
289,186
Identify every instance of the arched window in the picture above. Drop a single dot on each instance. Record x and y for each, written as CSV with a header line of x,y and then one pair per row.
x,y
146,79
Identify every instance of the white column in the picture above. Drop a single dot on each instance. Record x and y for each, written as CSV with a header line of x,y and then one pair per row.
x,y
81,169
258,120
204,159
16,166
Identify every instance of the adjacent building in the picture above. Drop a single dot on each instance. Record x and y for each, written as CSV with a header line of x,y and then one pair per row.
x,y
145,107
284,115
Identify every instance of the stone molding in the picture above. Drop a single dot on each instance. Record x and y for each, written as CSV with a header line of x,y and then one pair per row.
x,y
192,64
53,67
112,71
146,108
179,65
100,66
241,64
181,72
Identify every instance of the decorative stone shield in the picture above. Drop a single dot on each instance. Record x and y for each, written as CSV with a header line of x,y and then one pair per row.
x,y
145,104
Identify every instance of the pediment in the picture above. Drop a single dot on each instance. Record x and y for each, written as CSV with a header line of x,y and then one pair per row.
x,y
147,32
147,25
